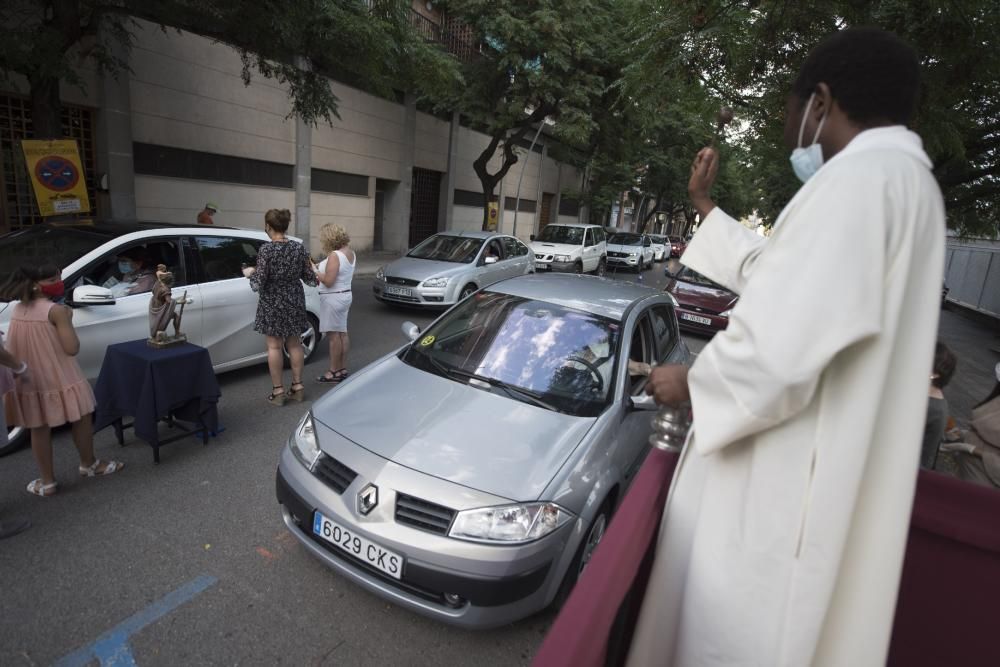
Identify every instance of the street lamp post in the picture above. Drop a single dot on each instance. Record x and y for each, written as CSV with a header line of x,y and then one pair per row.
x,y
517,196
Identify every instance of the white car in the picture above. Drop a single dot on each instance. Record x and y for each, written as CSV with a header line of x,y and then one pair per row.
x,y
206,262
631,251
571,248
661,247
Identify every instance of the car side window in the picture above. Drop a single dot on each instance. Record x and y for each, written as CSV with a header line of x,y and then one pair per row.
x,y
223,257
521,249
664,332
510,247
641,352
588,238
601,236
646,242
131,269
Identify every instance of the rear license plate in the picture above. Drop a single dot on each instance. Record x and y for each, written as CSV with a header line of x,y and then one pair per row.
x,y
398,291
382,559
696,318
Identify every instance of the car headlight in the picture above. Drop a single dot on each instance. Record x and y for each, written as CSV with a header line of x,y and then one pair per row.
x,y
561,258
509,524
436,282
633,254
303,442
726,313
380,274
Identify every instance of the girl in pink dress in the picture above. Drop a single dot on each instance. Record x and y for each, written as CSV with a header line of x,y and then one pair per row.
x,y
54,391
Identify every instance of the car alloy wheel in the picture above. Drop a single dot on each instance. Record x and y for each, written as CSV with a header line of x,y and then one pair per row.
x,y
602,268
594,536
466,291
310,339
578,268
595,532
17,437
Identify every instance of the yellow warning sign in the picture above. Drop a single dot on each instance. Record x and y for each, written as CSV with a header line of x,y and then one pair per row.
x,y
57,176
494,209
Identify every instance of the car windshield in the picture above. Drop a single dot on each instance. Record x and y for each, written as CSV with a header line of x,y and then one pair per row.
x,y
625,239
689,276
675,239
658,239
528,350
561,234
448,248
45,245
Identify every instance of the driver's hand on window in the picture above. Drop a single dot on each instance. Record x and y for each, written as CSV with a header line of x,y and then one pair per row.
x,y
638,367
248,271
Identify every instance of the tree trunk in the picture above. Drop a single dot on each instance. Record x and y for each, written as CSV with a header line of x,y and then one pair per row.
x,y
46,108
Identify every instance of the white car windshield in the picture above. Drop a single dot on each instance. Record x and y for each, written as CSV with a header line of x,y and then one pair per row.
x,y
531,351
561,234
448,248
625,239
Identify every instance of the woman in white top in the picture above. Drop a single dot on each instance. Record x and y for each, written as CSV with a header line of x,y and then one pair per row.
x,y
335,274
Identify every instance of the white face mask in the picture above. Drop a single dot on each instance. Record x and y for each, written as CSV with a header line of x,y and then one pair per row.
x,y
807,161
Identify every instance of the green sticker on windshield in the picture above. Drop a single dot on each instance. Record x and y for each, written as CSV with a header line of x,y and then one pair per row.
x,y
427,340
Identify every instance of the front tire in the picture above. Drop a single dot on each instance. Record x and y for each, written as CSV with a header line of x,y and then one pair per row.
x,y
310,341
593,536
602,268
17,437
466,292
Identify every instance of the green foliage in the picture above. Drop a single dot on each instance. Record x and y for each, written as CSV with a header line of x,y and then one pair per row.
x,y
374,42
744,53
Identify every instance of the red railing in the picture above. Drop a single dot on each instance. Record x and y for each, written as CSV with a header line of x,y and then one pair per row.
x,y
949,596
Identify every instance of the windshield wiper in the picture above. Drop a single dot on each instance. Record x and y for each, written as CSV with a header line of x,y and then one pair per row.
x,y
517,393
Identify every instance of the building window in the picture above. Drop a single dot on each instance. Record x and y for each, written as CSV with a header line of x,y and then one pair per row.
x,y
339,183
18,208
152,160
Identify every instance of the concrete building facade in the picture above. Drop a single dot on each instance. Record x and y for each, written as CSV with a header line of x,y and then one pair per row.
x,y
182,129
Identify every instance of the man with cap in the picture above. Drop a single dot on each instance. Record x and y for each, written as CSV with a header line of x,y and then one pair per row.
x,y
205,217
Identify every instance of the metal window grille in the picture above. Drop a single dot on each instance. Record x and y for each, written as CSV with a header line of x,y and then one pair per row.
x,y
18,208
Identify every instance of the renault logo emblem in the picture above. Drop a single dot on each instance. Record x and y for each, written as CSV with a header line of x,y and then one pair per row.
x,y
367,499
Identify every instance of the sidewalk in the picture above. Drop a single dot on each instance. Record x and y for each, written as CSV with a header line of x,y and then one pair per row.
x,y
371,260
975,341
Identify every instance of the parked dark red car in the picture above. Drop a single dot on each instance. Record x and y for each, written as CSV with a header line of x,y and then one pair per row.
x,y
677,246
702,305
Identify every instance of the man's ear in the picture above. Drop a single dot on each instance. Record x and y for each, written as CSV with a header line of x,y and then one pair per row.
x,y
823,102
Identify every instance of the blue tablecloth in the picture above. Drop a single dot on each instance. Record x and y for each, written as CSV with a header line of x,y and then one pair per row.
x,y
150,384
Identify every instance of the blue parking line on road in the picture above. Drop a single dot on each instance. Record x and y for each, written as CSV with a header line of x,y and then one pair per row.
x,y
112,648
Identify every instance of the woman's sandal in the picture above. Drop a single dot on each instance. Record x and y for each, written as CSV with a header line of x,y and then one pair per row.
x,y
297,394
277,398
110,467
333,377
38,488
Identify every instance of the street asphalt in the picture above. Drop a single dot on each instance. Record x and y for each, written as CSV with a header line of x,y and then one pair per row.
x,y
188,562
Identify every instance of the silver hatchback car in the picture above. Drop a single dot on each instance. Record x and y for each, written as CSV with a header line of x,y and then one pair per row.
x,y
447,267
469,475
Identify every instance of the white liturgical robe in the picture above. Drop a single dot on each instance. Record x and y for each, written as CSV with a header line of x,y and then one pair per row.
x,y
784,531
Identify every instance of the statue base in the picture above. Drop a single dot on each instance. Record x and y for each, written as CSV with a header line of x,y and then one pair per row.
x,y
163,340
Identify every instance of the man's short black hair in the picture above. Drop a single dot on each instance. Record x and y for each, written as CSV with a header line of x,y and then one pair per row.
x,y
873,75
944,365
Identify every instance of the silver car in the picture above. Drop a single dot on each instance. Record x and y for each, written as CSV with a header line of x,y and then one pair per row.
x,y
206,263
447,267
469,475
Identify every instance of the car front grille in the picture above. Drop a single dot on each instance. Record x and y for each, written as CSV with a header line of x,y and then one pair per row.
x,y
545,258
392,280
397,297
617,254
334,473
423,515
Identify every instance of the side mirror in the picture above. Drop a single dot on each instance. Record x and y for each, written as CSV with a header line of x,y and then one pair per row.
x,y
91,295
531,237
491,260
642,402
411,330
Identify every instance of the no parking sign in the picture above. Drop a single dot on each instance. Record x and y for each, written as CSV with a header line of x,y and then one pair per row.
x,y
57,176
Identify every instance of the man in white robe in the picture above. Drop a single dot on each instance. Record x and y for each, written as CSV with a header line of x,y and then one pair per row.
x,y
784,532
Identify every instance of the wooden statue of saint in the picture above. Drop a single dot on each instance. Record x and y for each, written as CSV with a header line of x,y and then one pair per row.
x,y
163,311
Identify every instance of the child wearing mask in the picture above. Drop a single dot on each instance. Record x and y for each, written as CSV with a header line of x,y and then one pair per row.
x,y
55,391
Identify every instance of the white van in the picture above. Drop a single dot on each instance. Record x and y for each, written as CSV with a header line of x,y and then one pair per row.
x,y
571,248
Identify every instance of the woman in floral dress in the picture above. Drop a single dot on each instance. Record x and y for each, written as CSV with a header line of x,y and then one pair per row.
x,y
282,266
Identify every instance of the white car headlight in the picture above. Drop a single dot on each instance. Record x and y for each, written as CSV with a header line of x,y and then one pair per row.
x,y
509,524
726,313
303,442
634,253
561,258
380,274
436,282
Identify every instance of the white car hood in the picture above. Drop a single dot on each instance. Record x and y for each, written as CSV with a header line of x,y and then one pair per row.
x,y
554,248
624,248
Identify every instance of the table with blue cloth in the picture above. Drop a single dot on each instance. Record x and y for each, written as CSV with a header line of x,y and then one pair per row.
x,y
150,385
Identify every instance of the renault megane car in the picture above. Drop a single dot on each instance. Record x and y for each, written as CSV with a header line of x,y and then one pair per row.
x,y
469,475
